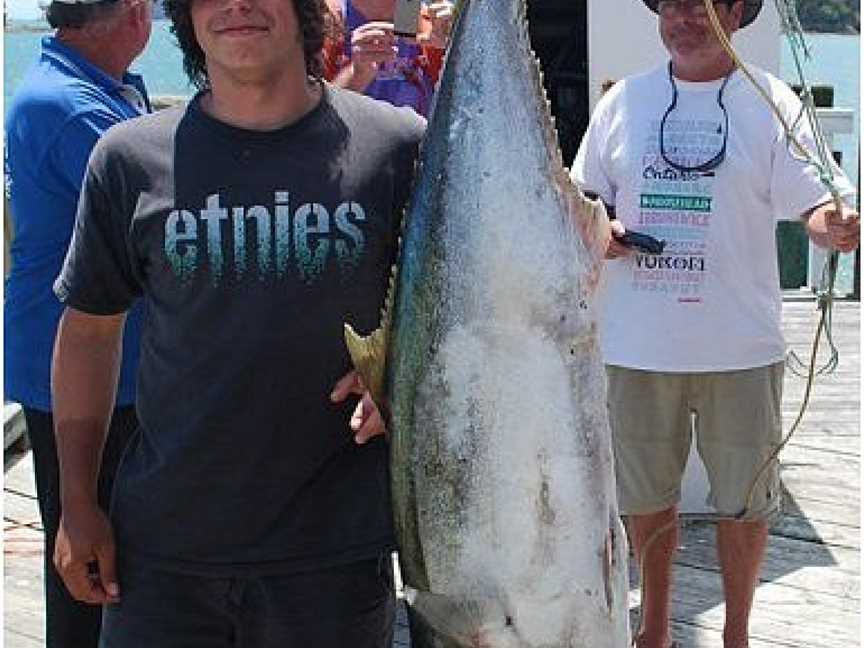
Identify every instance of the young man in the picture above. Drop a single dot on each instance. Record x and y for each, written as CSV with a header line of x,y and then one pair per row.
x,y
692,154
77,89
253,223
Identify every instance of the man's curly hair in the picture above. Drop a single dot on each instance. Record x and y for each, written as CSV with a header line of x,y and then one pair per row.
x,y
312,16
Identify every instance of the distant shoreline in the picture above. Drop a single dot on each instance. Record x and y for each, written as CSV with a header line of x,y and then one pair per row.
x,y
850,32
13,26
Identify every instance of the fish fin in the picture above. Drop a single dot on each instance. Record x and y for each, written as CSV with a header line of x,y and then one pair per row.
x,y
589,215
590,218
608,566
368,353
470,623
614,549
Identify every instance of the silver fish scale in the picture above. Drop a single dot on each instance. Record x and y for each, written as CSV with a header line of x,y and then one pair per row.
x,y
501,456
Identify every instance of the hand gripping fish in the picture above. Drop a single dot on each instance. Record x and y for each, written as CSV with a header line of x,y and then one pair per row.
x,y
488,365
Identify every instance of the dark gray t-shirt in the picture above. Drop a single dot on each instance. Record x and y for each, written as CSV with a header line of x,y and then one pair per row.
x,y
251,250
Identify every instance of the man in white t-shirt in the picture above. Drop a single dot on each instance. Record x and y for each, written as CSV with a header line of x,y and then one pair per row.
x,y
691,154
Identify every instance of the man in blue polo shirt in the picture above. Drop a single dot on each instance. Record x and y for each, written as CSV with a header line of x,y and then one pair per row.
x,y
78,88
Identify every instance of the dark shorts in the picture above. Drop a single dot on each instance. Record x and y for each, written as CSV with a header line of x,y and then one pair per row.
x,y
352,605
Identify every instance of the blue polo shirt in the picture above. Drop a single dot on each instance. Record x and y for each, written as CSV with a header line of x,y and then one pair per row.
x,y
62,107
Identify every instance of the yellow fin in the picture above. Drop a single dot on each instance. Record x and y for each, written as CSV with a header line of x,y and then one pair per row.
x,y
589,216
369,355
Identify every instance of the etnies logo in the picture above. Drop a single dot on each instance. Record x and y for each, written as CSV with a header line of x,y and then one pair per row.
x,y
267,242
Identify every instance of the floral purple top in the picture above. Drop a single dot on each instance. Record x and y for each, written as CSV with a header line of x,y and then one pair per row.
x,y
406,82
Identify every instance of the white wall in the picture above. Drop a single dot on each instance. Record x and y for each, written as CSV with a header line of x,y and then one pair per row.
x,y
623,39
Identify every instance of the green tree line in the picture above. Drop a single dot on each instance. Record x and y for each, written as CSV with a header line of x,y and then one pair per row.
x,y
836,16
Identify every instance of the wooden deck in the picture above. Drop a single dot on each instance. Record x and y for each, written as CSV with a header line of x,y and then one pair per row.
x,y
809,595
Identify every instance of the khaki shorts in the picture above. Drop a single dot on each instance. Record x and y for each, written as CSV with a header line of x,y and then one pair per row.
x,y
738,424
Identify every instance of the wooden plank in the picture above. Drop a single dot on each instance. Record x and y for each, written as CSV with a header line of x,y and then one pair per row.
x,y
827,467
807,486
823,466
20,477
814,505
828,436
692,635
779,611
819,408
20,507
841,420
824,495
846,421
23,549
810,530
803,565
844,373
819,404
14,426
23,607
14,638
698,609
822,398
839,514
816,484
813,445
18,512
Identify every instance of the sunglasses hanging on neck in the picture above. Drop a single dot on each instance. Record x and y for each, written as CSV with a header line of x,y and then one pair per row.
x,y
715,161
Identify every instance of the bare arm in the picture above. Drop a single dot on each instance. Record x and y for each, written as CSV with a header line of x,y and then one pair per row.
x,y
828,229
440,20
353,77
83,384
372,44
84,373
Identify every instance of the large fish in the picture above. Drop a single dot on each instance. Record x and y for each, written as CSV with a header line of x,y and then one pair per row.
x,y
503,490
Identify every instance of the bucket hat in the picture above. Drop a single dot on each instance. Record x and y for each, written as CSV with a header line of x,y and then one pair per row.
x,y
751,10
